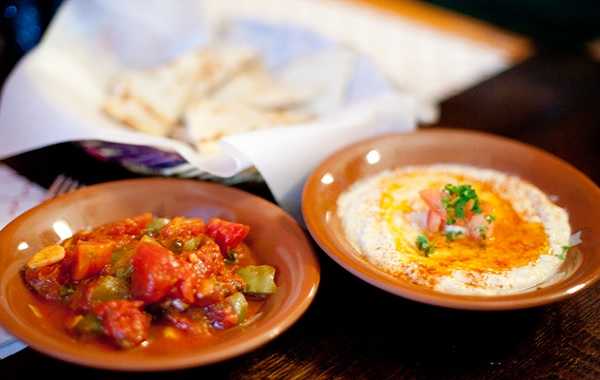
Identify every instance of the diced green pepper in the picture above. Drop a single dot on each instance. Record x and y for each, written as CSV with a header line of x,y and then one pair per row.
x,y
89,324
239,304
121,262
192,244
156,225
259,279
109,288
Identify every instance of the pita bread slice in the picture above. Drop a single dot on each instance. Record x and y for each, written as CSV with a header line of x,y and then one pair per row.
x,y
217,66
133,113
257,87
153,100
208,121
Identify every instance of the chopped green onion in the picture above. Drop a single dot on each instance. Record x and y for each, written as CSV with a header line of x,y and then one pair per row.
x,y
456,199
424,245
564,251
452,235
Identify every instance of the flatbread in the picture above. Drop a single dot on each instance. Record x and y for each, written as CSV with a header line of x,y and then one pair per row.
x,y
256,87
207,121
153,100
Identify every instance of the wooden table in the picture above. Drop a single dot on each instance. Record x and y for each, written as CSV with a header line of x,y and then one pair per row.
x,y
353,330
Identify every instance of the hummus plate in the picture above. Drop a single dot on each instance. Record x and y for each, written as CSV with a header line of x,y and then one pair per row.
x,y
529,202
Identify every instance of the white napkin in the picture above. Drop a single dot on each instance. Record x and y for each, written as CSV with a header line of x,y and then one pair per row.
x,y
301,148
17,194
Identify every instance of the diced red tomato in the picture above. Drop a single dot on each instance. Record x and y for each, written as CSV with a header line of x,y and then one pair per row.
x,y
468,209
211,258
434,221
222,315
45,281
155,272
124,322
479,228
433,199
200,289
226,234
90,258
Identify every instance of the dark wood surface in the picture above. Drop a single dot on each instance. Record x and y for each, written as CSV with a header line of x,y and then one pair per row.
x,y
355,331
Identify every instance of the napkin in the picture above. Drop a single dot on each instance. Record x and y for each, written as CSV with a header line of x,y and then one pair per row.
x,y
17,194
56,93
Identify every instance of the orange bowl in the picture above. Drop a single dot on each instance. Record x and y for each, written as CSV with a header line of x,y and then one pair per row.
x,y
575,192
275,238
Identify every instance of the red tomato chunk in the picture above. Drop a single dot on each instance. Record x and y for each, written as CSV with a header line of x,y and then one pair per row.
x,y
226,234
155,272
124,322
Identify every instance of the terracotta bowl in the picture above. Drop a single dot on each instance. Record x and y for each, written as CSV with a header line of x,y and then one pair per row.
x,y
275,238
579,195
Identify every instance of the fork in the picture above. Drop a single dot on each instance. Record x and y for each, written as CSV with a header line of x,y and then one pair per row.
x,y
62,184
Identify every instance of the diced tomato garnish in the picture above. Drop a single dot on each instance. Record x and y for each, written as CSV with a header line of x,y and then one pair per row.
x,y
45,281
90,258
124,322
479,228
155,272
433,198
434,221
226,234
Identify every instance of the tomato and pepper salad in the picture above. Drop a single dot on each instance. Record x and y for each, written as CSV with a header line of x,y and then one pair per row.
x,y
145,279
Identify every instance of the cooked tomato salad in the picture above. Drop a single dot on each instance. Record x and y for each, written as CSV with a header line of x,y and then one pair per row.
x,y
142,279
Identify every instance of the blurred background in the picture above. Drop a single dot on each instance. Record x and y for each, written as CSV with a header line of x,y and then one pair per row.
x,y
551,24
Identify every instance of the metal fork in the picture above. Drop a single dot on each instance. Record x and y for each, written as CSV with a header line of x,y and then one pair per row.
x,y
62,185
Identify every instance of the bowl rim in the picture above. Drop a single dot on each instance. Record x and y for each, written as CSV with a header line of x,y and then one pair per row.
x,y
241,347
365,271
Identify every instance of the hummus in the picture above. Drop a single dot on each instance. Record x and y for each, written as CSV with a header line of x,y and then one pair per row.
x,y
457,229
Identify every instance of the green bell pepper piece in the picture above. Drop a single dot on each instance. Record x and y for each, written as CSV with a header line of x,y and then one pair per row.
x,y
89,324
109,288
259,279
156,225
239,304
192,244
